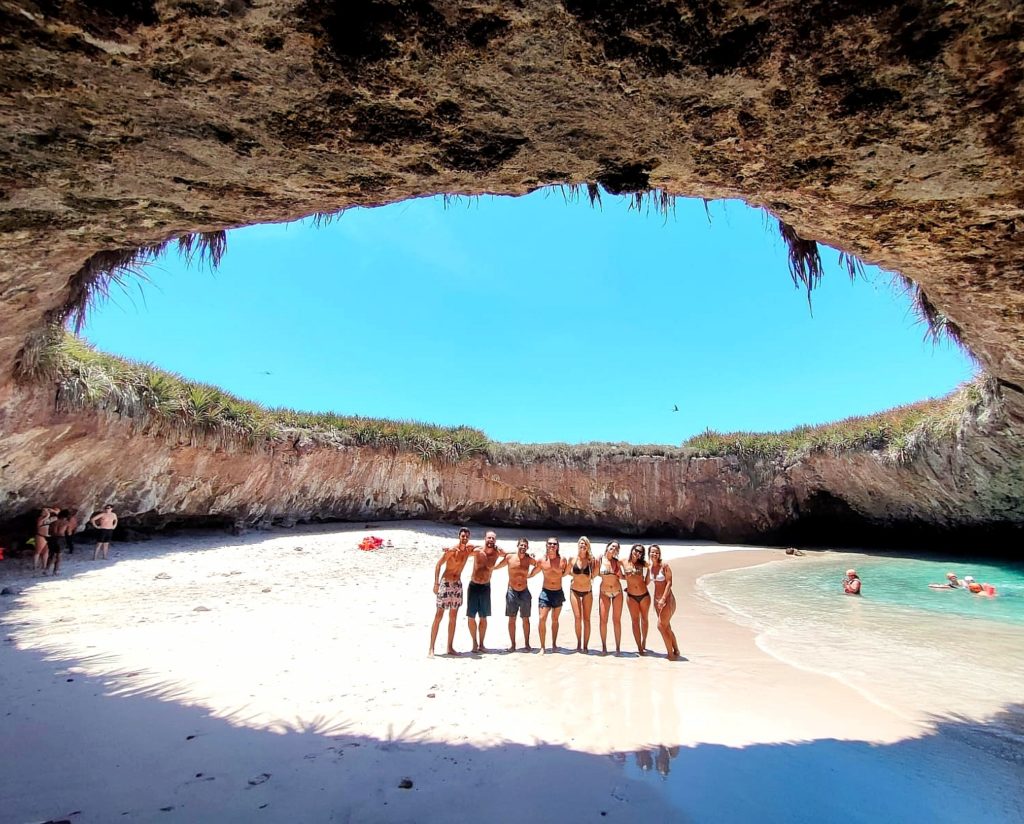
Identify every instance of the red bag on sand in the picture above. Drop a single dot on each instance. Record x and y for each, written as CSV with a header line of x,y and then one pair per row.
x,y
369,543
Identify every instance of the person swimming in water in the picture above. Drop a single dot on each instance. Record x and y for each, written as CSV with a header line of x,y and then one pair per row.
x,y
851,583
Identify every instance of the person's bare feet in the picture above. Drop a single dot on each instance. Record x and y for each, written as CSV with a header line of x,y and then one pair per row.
x,y
543,651
512,648
527,647
430,654
451,651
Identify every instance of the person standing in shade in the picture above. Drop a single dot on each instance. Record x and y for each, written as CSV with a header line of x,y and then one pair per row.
x,y
478,598
517,599
58,531
72,528
851,583
448,588
554,567
47,515
106,522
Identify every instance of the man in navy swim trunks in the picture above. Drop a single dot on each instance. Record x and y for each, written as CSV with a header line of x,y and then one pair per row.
x,y
517,599
478,598
106,523
554,567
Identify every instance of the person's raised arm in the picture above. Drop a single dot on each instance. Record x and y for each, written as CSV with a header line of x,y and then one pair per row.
x,y
437,570
502,562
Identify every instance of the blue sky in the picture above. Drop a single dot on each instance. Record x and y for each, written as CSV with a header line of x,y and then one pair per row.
x,y
535,320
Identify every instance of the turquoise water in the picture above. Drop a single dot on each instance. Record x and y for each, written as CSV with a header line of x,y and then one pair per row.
x,y
925,654
903,583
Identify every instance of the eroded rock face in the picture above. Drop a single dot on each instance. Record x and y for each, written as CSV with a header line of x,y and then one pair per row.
x,y
969,483
891,130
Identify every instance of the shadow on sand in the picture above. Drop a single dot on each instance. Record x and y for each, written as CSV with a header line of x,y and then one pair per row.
x,y
131,747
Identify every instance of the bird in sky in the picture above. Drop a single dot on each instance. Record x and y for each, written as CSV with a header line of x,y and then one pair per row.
x,y
675,407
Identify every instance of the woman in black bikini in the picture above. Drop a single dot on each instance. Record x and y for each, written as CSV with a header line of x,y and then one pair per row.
x,y
611,595
638,576
583,592
664,601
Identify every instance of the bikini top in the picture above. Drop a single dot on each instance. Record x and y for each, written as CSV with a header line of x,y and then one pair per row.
x,y
608,570
629,569
661,574
588,570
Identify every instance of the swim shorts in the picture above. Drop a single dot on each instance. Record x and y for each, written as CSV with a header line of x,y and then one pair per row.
x,y
551,598
105,536
449,595
518,602
55,543
478,600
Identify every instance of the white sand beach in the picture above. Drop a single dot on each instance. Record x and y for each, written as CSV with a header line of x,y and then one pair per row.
x,y
283,676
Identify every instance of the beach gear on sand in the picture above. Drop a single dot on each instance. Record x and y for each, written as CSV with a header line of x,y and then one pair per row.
x,y
371,542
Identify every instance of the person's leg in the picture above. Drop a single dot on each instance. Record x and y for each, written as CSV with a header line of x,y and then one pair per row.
x,y
483,633
512,634
555,612
472,629
671,643
44,555
617,620
645,619
588,608
106,551
604,605
526,634
577,615
634,615
70,540
96,552
434,629
543,626
56,562
453,615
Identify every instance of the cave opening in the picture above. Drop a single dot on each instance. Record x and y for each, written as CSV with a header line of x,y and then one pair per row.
x,y
540,319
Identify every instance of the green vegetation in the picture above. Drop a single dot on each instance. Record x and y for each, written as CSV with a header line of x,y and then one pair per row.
x,y
163,403
895,431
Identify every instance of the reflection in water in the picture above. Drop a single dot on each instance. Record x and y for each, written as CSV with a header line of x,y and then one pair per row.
x,y
658,758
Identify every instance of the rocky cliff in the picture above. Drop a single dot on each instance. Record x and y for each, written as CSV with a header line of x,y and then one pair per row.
x,y
890,130
968,483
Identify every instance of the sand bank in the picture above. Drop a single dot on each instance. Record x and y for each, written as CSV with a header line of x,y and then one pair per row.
x,y
283,677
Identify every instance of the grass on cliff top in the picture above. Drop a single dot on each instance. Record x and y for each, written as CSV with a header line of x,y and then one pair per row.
x,y
164,403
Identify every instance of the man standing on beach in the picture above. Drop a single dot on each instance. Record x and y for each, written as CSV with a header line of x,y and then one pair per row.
x,y
449,588
517,599
478,599
106,523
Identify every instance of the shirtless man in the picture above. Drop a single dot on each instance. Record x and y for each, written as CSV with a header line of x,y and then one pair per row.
x,y
517,599
554,567
106,523
449,588
47,515
478,598
58,533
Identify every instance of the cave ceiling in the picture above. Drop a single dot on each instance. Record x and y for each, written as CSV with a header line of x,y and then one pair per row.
x,y
890,130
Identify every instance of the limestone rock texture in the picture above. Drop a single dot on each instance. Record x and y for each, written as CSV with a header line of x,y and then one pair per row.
x,y
891,130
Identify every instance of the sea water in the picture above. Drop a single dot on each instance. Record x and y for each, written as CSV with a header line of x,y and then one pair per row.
x,y
929,655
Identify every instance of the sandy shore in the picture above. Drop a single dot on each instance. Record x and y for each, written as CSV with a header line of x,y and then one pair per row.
x,y
283,677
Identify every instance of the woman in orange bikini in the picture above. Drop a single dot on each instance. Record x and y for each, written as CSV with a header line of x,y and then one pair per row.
x,y
664,601
611,595
582,589
638,577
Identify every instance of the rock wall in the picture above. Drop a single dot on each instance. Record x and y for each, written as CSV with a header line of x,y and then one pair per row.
x,y
892,130
967,483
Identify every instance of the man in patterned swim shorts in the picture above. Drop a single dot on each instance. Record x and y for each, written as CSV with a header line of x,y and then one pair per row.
x,y
449,588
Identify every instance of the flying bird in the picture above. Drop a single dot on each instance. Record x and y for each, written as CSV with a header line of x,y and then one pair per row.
x,y
675,407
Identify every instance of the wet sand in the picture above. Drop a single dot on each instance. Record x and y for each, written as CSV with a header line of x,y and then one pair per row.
x,y
283,677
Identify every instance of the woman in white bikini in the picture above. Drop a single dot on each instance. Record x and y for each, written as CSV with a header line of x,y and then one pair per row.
x,y
664,601
582,589
638,576
611,595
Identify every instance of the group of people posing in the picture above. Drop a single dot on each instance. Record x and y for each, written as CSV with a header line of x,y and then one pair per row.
x,y
55,532
637,573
